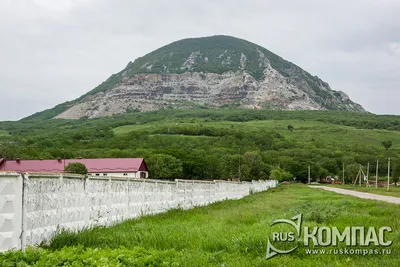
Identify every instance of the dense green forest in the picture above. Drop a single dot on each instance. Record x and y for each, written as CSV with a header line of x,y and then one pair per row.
x,y
218,144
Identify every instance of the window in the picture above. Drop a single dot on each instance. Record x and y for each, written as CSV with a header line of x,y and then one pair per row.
x,y
97,174
142,175
125,174
104,174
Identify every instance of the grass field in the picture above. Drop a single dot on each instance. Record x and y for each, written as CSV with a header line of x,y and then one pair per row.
x,y
229,233
303,130
394,190
4,133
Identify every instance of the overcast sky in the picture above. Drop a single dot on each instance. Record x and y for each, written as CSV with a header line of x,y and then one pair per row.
x,y
52,51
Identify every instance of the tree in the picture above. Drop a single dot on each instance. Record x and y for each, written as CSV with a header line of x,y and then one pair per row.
x,y
296,166
329,164
351,172
290,127
9,149
396,172
164,166
230,165
281,175
76,167
387,144
252,166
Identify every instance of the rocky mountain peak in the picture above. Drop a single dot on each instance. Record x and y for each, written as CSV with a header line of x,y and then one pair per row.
x,y
214,72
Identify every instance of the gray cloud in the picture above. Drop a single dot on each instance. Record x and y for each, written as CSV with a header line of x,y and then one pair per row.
x,y
54,51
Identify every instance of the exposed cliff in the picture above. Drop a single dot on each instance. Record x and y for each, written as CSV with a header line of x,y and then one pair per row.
x,y
218,71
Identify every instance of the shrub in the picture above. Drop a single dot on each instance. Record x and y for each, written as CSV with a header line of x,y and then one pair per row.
x,y
76,167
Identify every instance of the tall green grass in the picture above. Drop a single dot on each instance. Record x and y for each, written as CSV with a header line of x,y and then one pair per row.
x,y
229,233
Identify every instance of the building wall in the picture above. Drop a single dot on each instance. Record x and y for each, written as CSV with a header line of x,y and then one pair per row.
x,y
46,203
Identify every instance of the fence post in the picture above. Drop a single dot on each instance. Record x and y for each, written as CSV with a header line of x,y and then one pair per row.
x,y
86,182
25,182
110,202
10,211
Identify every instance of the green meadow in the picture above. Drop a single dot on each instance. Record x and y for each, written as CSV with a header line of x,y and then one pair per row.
x,y
228,233
3,133
304,131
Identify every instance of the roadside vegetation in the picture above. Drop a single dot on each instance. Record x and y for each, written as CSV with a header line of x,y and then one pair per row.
x,y
229,233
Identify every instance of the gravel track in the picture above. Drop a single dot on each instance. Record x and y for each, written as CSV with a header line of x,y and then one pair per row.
x,y
394,200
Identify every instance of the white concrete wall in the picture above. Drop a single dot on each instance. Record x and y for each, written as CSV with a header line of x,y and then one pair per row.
x,y
10,210
32,212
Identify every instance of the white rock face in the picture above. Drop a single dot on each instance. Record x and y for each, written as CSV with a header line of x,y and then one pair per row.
x,y
243,61
215,71
189,63
146,92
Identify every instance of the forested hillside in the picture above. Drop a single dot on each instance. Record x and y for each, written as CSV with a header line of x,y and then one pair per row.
x,y
214,144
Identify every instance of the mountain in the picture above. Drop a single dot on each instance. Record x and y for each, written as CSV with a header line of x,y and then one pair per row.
x,y
216,71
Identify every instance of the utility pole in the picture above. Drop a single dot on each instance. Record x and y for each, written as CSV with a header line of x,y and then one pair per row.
x,y
388,186
343,172
376,177
360,175
239,163
368,175
309,177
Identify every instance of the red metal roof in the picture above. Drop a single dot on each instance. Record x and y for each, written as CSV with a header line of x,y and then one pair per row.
x,y
110,165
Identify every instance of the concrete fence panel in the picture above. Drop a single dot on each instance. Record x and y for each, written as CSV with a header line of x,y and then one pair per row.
x,y
10,210
34,206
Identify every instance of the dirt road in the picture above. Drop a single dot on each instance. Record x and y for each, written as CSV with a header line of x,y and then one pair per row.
x,y
394,200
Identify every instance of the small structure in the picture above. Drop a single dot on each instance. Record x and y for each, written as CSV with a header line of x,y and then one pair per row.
x,y
117,167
